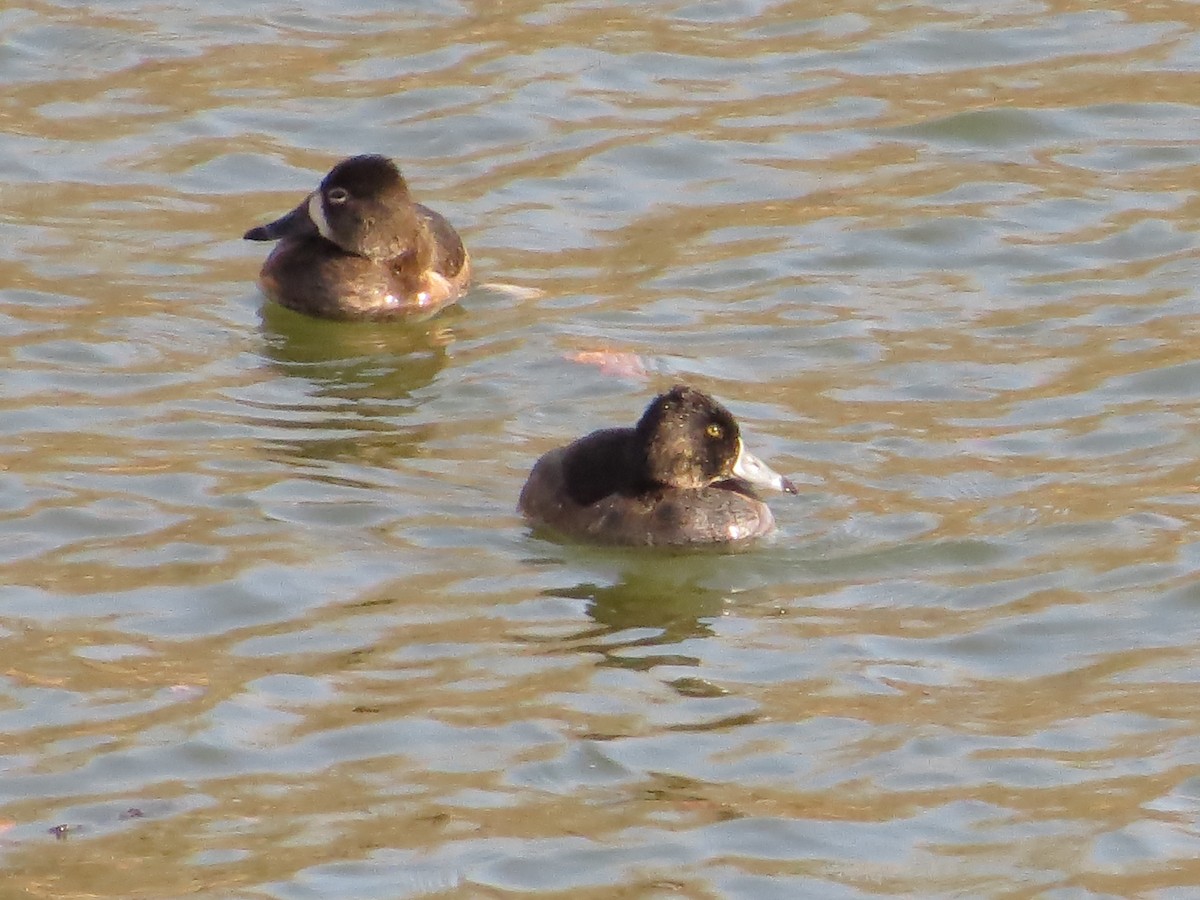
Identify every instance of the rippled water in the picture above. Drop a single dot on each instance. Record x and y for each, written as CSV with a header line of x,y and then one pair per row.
x,y
271,627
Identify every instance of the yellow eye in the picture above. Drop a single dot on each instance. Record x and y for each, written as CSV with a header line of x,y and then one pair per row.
x,y
714,430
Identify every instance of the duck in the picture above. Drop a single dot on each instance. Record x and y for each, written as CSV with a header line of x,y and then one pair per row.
x,y
359,247
680,477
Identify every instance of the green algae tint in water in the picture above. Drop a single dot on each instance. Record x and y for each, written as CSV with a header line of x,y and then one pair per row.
x,y
271,626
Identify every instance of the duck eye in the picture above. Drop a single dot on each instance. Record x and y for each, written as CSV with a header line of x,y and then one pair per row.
x,y
337,195
714,431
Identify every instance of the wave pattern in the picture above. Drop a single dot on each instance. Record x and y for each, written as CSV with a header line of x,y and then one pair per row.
x,y
271,625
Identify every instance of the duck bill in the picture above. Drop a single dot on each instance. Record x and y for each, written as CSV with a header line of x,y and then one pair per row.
x,y
756,473
297,223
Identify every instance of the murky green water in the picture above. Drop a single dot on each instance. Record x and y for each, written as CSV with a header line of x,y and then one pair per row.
x,y
270,625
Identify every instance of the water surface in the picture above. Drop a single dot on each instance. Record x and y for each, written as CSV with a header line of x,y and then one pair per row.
x,y
271,626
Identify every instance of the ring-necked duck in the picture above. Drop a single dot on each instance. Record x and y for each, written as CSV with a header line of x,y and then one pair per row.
x,y
358,247
681,476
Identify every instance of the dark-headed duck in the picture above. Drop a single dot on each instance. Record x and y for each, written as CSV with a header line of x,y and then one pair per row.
x,y
359,247
680,476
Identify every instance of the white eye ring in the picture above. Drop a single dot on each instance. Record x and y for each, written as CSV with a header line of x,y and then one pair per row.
x,y
337,195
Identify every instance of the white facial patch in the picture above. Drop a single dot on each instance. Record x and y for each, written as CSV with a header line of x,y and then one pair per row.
x,y
316,212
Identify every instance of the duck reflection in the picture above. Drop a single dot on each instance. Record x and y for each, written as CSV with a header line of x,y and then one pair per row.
x,y
662,599
362,377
